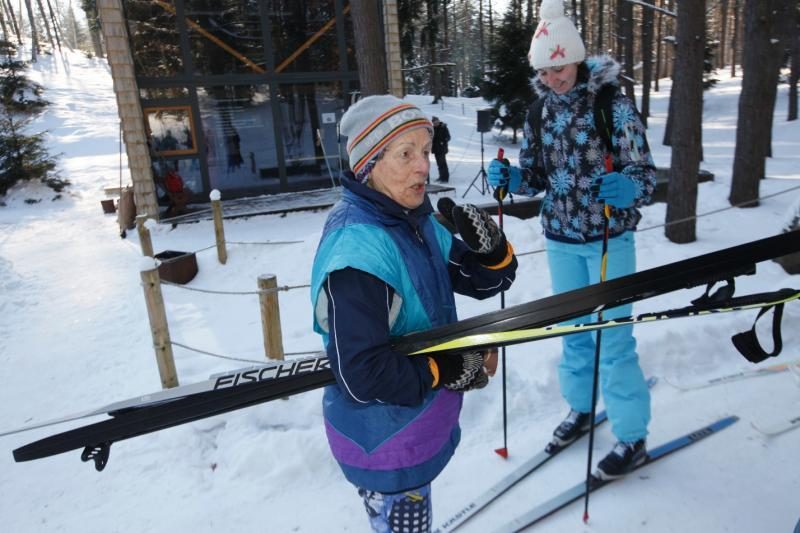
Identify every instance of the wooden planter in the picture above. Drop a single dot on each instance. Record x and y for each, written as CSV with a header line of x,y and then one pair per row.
x,y
177,267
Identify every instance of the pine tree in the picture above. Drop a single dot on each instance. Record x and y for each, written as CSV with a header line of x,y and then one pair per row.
x,y
507,85
23,156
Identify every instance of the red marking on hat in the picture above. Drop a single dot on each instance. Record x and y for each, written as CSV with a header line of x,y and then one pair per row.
x,y
542,30
558,52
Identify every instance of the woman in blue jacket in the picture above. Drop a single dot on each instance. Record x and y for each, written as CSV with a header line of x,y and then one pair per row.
x,y
384,268
567,160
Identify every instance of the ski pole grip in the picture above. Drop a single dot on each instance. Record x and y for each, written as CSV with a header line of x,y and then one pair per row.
x,y
500,192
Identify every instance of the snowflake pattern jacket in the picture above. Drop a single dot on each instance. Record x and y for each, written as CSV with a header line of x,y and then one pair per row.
x,y
572,153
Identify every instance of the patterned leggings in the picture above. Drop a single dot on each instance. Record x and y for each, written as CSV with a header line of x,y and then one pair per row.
x,y
402,512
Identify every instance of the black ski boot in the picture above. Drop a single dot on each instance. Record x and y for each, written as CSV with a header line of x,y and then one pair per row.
x,y
575,425
622,459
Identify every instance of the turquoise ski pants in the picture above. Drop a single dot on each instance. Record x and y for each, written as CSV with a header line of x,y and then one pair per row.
x,y
622,383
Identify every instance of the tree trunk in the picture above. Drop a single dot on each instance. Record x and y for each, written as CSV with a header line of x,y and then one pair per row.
x,y
600,9
13,20
46,24
794,75
687,92
56,29
34,36
369,47
735,37
647,60
626,9
3,25
760,64
723,7
659,47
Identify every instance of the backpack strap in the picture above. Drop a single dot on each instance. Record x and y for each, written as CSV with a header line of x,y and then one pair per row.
x,y
535,120
604,115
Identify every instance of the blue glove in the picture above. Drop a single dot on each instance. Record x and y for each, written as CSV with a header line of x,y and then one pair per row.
x,y
614,189
504,175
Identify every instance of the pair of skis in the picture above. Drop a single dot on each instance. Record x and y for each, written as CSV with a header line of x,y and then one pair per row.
x,y
518,474
575,492
251,386
513,325
475,506
578,490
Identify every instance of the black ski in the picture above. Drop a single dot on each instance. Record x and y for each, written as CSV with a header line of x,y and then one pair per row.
x,y
249,388
579,490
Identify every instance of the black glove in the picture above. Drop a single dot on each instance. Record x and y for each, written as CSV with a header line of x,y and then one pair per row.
x,y
459,372
477,229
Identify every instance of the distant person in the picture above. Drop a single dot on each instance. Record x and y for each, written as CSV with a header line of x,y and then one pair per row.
x,y
565,158
386,267
168,142
441,136
232,146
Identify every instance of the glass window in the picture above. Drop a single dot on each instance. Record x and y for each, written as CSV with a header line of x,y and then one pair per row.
x,y
187,168
170,130
163,93
304,35
309,117
225,37
237,126
155,42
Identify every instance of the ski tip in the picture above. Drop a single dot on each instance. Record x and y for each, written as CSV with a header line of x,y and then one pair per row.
x,y
502,452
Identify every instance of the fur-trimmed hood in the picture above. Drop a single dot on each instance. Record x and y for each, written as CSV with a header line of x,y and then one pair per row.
x,y
603,70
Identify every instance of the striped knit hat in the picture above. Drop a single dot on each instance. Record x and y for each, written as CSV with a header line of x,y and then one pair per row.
x,y
372,123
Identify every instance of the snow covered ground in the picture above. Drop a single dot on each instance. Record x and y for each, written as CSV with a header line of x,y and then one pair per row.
x,y
74,335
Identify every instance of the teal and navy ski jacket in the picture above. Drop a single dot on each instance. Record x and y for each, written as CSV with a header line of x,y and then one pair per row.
x,y
383,271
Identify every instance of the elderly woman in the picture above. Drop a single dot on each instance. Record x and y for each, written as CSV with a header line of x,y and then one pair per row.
x,y
385,267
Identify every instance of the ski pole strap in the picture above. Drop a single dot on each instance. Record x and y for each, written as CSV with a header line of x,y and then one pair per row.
x,y
747,341
722,294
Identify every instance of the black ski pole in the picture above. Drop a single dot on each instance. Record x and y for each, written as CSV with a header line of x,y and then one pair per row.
x,y
596,373
500,194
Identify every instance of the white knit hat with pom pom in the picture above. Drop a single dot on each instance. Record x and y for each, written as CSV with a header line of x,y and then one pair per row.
x,y
556,41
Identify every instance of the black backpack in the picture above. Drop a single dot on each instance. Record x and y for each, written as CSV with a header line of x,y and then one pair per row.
x,y
603,115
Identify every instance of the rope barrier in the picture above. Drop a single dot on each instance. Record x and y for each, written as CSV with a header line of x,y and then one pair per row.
x,y
236,293
246,243
240,359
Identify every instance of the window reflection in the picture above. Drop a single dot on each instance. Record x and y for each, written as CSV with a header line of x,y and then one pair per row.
x,y
304,35
155,41
309,116
170,129
225,37
187,168
237,125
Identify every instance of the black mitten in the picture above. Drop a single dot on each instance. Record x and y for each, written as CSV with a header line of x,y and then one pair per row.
x,y
477,229
459,372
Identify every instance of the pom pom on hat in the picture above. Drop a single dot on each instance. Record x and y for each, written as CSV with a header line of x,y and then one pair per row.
x,y
556,41
375,121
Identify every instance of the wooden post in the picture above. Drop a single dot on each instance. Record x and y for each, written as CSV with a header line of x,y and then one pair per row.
x,y
144,236
158,326
219,230
270,316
